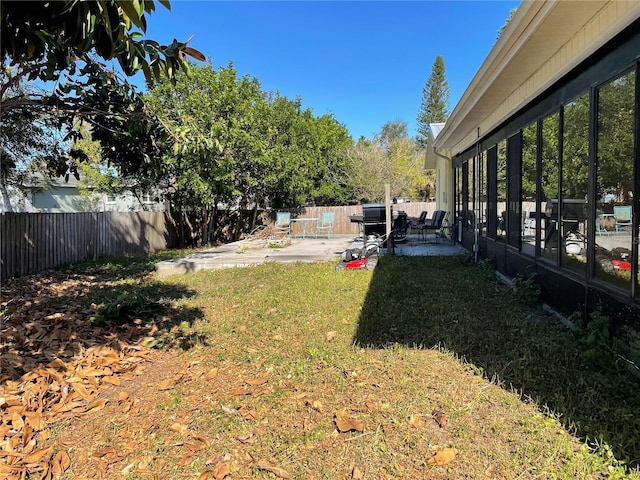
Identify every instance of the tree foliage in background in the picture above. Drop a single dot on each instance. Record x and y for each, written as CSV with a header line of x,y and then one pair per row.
x,y
233,144
391,157
575,148
27,138
47,38
529,162
434,107
616,113
59,45
550,152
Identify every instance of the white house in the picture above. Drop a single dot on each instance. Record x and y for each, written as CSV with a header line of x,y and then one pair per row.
x,y
540,157
63,196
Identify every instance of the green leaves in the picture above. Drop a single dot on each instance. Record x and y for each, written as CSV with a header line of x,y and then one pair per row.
x,y
134,10
231,143
53,32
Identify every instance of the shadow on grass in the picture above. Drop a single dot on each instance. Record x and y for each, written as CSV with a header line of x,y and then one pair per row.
x,y
60,313
422,302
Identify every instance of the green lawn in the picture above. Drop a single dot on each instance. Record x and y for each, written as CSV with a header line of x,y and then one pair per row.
x,y
262,368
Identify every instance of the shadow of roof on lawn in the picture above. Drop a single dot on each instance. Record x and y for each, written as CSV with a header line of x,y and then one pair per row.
x,y
426,302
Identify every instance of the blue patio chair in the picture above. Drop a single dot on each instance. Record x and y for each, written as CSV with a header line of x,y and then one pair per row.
x,y
283,222
527,223
622,214
325,224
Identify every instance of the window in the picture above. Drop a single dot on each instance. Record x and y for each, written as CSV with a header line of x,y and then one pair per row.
x,y
575,184
482,193
502,191
614,182
111,198
550,152
530,219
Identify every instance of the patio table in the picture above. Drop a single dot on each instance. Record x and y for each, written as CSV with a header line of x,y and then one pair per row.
x,y
602,222
304,222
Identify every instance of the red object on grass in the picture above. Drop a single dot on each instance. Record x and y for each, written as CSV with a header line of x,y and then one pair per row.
x,y
355,264
621,265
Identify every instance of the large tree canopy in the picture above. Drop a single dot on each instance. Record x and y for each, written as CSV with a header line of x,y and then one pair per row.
x,y
46,38
231,143
52,77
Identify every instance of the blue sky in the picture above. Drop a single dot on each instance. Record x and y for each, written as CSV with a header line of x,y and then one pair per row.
x,y
365,62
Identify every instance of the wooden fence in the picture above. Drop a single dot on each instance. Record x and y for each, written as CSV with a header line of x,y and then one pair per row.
x,y
32,242
343,223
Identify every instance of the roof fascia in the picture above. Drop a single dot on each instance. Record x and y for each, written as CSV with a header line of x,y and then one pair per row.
x,y
523,24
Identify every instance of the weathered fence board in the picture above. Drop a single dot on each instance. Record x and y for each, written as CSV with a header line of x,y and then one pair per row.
x,y
32,242
343,223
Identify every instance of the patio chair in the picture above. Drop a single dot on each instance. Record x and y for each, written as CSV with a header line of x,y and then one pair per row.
x,y
622,214
325,225
283,222
416,223
435,225
527,223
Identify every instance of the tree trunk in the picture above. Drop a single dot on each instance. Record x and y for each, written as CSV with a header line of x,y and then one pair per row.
x,y
254,216
238,227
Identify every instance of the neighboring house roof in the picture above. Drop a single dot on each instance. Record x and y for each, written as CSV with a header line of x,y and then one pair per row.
x,y
542,42
38,179
430,155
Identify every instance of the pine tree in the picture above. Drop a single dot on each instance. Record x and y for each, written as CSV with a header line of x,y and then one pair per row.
x,y
435,101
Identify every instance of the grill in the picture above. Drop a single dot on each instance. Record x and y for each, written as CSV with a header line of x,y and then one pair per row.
x,y
374,218
373,221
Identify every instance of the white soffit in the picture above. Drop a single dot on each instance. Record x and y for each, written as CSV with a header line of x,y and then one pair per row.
x,y
522,63
430,156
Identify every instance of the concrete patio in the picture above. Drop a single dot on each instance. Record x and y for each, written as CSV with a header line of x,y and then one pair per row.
x,y
250,252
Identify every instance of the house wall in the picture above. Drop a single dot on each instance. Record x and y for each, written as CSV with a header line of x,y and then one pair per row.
x,y
58,200
67,199
605,91
17,201
444,185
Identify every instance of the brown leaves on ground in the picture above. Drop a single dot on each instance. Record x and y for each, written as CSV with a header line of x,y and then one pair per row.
x,y
356,474
54,365
169,383
190,447
443,457
415,421
41,461
53,391
346,424
440,418
219,472
277,471
315,404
